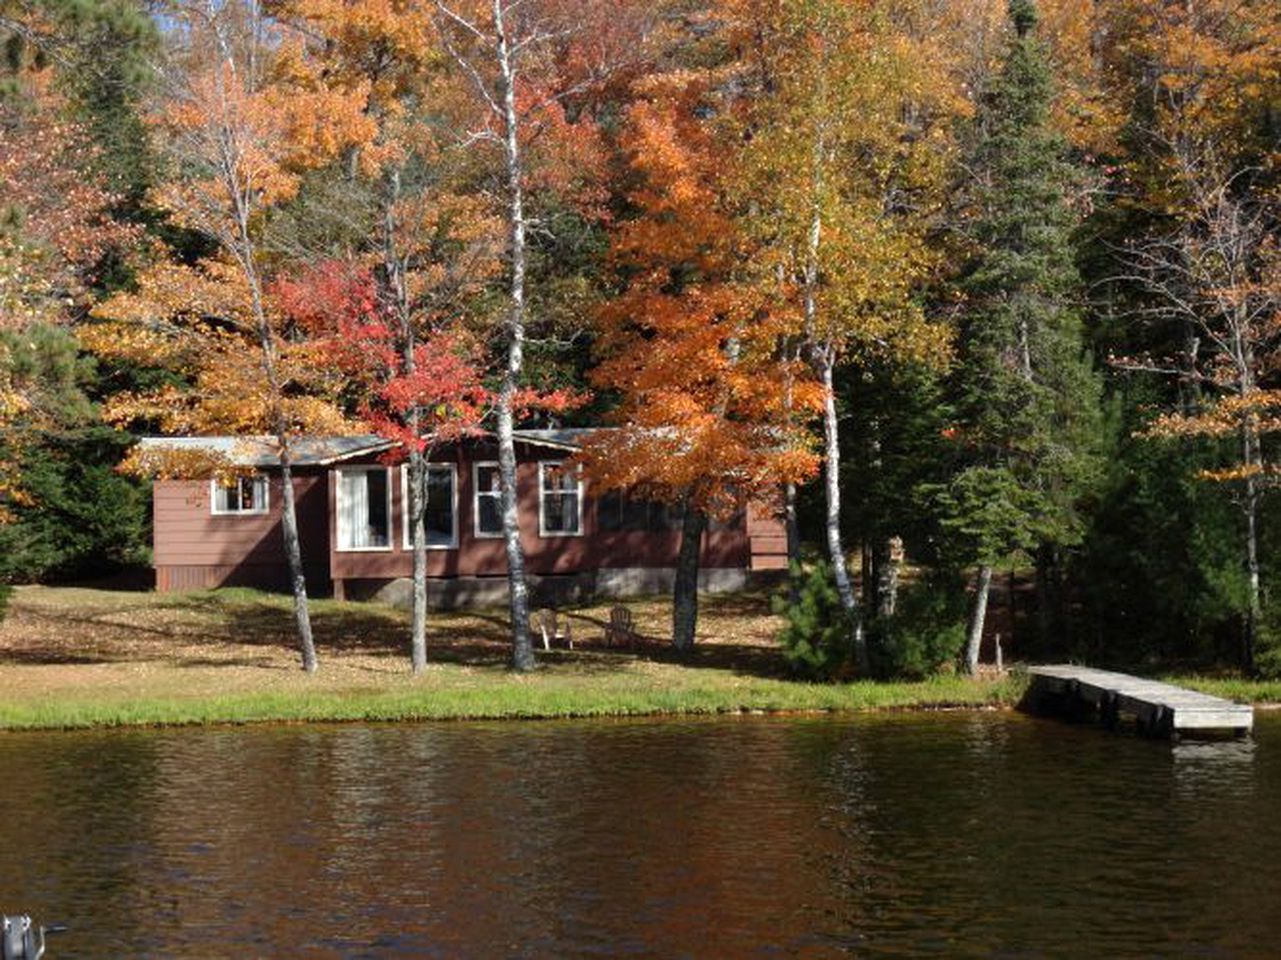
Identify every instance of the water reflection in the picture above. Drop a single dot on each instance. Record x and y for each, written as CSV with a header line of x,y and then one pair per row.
x,y
1210,768
966,834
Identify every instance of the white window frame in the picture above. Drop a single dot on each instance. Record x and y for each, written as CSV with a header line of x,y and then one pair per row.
x,y
542,491
338,513
404,505
476,493
257,478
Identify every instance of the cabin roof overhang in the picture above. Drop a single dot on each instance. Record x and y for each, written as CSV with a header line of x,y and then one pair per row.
x,y
263,451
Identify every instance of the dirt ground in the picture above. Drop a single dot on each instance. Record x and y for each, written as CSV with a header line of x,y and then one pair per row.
x,y
56,641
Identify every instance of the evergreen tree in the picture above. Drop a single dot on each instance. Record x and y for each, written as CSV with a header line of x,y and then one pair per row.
x,y
76,517
1028,400
897,441
97,52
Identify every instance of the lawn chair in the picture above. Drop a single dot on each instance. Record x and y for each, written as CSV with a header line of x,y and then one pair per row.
x,y
553,627
620,629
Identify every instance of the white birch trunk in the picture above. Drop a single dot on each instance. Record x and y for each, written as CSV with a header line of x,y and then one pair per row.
x,y
518,599
974,636
416,474
247,256
835,548
824,350
1249,638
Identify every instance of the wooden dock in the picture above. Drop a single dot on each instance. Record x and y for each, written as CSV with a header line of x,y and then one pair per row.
x,y
1158,709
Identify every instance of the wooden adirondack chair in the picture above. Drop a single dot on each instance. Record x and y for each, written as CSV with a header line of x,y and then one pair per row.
x,y
553,627
620,628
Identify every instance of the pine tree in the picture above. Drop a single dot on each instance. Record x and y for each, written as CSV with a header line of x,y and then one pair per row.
x,y
1027,397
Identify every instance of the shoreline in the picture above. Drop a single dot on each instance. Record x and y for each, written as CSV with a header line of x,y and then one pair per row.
x,y
73,658
498,704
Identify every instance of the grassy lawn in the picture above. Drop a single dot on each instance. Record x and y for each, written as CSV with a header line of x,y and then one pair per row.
x,y
74,657
1264,692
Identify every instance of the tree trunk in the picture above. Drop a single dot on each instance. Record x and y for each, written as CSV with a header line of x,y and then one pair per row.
x,y
1249,640
417,470
867,574
791,350
518,593
889,561
835,549
1025,350
417,500
793,544
1249,637
293,553
825,354
685,589
288,513
974,638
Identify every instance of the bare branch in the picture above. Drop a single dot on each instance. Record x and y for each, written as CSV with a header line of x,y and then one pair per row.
x,y
463,22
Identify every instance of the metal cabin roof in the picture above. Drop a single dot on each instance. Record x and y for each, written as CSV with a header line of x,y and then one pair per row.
x,y
566,438
321,451
262,452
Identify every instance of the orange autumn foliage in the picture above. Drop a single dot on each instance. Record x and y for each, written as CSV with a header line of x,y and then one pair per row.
x,y
56,232
691,344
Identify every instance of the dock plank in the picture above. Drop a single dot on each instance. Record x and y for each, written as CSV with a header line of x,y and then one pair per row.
x,y
1158,706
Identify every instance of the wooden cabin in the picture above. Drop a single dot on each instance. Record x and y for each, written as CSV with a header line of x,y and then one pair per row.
x,y
352,521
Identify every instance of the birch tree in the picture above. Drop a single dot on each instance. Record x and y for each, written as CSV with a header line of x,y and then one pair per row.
x,y
239,122
526,62
840,159
1221,275
1206,265
434,247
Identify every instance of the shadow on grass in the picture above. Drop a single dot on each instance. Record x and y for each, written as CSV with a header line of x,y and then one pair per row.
x,y
40,656
89,633
717,647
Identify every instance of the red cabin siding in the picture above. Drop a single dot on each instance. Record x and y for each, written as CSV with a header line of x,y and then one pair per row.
x,y
552,555
195,548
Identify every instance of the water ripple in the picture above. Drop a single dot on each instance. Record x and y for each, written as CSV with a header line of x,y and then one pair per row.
x,y
909,835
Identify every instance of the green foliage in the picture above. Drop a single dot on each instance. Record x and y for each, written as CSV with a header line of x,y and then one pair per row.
x,y
6,591
1159,573
894,442
816,639
44,361
1267,660
1023,15
1030,427
79,517
85,520
988,514
104,53
926,632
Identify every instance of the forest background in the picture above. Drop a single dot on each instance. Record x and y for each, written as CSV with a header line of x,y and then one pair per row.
x,y
1005,275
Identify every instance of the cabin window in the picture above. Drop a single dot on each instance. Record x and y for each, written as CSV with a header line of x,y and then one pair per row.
x,y
616,512
734,521
239,495
560,501
489,500
364,508
440,512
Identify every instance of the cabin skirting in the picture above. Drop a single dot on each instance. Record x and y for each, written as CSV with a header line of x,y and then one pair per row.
x,y
454,593
172,578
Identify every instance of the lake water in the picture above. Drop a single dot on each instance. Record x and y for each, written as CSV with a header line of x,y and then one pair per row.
x,y
962,834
